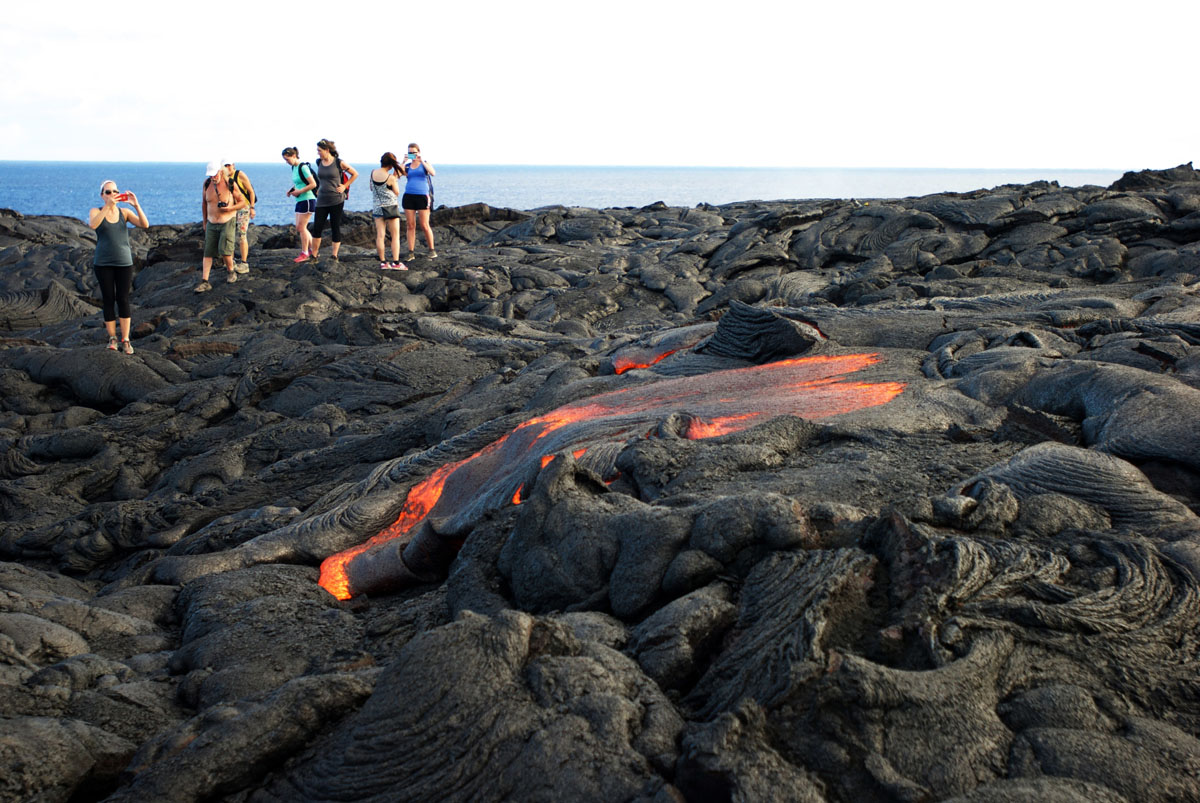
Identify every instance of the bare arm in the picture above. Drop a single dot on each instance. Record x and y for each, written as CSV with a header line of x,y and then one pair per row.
x,y
139,219
251,196
429,169
94,217
239,200
353,175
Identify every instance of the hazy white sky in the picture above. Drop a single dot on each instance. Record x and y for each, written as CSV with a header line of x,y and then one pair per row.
x,y
781,83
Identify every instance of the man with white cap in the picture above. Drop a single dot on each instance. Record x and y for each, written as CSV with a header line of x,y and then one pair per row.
x,y
219,209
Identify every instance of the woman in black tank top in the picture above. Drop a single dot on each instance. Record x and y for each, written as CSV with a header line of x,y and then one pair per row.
x,y
113,262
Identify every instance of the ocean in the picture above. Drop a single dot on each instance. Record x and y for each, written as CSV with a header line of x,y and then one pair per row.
x,y
170,191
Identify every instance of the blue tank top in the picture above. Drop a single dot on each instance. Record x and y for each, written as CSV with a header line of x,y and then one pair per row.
x,y
418,181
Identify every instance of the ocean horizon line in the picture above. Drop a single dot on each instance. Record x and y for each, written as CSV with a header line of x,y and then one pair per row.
x,y
171,190
476,165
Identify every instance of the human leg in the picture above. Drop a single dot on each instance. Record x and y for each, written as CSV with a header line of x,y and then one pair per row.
x,y
335,223
228,243
379,232
319,217
410,217
212,249
394,226
424,214
108,291
243,228
123,281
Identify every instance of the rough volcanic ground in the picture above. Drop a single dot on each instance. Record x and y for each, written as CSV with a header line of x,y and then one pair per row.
x,y
857,502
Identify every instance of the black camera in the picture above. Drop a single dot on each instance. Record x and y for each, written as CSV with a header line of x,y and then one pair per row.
x,y
222,204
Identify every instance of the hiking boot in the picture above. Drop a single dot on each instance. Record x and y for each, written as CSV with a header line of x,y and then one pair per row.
x,y
126,347
232,276
241,267
304,257
203,287
112,343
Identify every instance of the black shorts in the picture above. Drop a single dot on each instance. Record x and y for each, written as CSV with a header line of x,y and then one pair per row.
x,y
415,202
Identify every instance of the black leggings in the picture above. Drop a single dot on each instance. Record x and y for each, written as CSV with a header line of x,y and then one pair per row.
x,y
115,284
334,214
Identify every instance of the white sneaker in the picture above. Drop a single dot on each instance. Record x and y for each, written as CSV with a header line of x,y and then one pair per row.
x,y
241,267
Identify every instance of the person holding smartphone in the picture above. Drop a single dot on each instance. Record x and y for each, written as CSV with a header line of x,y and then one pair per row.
x,y
417,199
304,186
113,261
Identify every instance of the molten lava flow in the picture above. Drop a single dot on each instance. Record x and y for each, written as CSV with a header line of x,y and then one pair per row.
x,y
623,364
421,499
718,403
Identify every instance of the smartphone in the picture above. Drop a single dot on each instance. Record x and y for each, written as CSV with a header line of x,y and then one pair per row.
x,y
123,196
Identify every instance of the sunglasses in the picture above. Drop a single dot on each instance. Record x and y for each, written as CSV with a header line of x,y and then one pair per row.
x,y
112,192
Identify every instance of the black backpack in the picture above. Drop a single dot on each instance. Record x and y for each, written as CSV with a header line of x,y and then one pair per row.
x,y
311,174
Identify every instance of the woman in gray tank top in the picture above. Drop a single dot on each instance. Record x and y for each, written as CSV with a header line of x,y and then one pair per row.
x,y
331,194
113,262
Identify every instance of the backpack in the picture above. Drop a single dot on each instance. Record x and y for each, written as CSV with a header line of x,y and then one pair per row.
x,y
311,174
345,178
249,196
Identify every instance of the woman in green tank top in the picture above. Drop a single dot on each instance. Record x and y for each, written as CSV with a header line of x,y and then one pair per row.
x,y
113,262
304,185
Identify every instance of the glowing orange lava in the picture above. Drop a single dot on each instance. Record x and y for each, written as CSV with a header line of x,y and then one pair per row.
x,y
719,403
623,364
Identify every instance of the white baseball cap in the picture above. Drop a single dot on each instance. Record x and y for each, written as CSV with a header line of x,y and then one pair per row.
x,y
215,166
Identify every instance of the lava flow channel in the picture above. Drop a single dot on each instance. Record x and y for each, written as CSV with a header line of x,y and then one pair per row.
x,y
458,494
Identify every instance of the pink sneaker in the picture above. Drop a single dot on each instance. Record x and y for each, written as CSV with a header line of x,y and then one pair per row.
x,y
302,258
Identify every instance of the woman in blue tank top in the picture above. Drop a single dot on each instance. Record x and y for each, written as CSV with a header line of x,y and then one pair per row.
x,y
113,262
417,199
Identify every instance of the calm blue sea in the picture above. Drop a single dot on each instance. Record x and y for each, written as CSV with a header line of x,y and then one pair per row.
x,y
170,191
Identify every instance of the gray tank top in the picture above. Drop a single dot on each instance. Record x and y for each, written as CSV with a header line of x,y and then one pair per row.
x,y
382,195
112,245
330,176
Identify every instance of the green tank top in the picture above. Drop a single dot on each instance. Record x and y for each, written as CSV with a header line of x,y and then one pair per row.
x,y
301,182
112,244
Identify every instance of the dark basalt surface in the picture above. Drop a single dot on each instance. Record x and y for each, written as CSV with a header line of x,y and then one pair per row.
x,y
984,589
